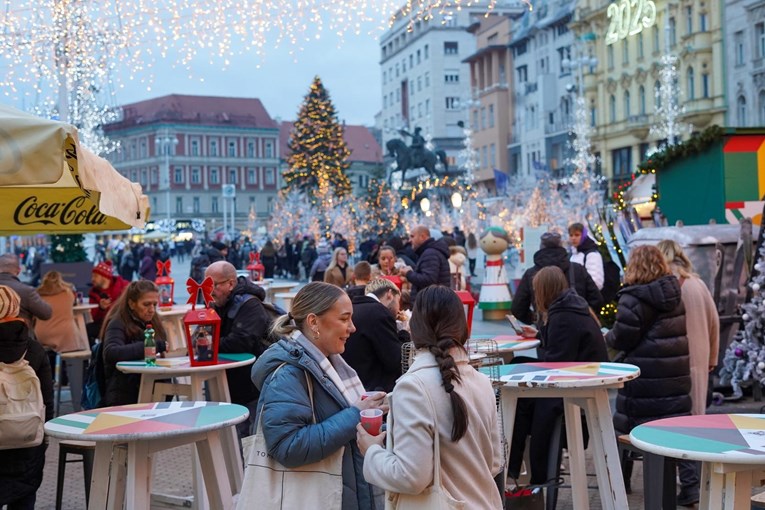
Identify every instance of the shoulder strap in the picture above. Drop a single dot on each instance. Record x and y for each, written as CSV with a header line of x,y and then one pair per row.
x,y
260,410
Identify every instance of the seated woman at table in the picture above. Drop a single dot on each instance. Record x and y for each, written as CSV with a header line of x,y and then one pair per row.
x,y
465,413
123,338
569,332
650,330
58,333
312,337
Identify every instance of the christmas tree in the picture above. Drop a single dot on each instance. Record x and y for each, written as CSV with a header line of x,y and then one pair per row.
x,y
318,153
67,248
381,213
744,360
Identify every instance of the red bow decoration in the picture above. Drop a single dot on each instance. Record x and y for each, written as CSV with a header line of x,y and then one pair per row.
x,y
252,256
163,267
193,287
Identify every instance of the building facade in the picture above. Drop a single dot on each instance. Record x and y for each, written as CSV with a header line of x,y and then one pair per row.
x,y
425,82
745,70
186,150
622,89
541,45
491,112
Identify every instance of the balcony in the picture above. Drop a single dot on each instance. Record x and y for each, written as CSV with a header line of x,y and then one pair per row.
x,y
563,125
531,88
638,126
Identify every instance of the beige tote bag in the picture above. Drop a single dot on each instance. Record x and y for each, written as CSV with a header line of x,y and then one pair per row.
x,y
268,485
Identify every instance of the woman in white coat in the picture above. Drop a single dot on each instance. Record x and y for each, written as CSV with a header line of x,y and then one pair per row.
x,y
463,412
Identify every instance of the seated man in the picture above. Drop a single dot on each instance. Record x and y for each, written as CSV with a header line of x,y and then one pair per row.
x,y
374,349
243,329
104,292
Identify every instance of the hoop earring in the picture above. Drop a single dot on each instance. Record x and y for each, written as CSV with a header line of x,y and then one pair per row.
x,y
316,334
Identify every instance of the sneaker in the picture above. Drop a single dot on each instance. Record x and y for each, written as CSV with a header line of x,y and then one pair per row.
x,y
687,498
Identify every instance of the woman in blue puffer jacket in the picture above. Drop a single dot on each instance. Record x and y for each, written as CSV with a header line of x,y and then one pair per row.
x,y
313,336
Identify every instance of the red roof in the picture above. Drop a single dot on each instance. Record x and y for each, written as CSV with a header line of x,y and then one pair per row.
x,y
204,110
362,144
743,143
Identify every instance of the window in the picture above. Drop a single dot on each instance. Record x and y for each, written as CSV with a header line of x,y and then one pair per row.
x,y
411,61
522,74
214,176
657,93
232,148
640,52
270,176
762,107
419,56
269,149
625,52
612,108
195,205
689,20
144,178
403,65
419,83
759,31
475,120
451,48
738,47
593,116
672,32
425,52
213,147
741,106
705,85
621,162
655,37
232,176
385,73
427,80
641,100
491,115
520,49
452,103
493,156
195,177
214,204
144,151
691,83
178,204
427,107
397,70
610,56
483,117
178,175
627,109
385,101
451,77
250,149
564,53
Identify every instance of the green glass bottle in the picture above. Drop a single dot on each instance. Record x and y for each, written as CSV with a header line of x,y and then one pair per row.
x,y
149,346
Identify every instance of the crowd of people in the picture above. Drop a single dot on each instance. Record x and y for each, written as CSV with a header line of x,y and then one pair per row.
x,y
337,352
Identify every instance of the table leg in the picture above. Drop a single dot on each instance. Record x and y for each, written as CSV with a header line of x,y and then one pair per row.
x,y
705,501
715,484
509,404
200,493
576,454
138,475
117,477
738,490
146,390
610,481
213,465
218,387
99,484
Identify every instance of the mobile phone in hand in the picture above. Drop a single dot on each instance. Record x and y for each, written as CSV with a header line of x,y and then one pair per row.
x,y
515,324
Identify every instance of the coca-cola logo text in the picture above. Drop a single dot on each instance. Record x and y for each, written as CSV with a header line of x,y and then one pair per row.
x,y
30,211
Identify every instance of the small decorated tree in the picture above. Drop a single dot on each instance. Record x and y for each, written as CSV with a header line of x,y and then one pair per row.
x,y
67,248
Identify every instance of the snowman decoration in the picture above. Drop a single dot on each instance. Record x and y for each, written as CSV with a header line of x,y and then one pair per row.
x,y
494,299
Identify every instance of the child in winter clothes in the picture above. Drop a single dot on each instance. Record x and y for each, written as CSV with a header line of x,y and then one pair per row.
x,y
21,469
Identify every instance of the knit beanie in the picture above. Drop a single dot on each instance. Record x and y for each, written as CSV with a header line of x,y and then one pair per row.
x,y
9,303
104,269
550,240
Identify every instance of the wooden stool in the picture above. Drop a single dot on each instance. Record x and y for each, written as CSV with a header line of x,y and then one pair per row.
x,y
658,471
86,450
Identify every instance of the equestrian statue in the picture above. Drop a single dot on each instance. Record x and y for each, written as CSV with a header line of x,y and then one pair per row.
x,y
414,156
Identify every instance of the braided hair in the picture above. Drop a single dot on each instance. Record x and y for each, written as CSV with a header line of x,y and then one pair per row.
x,y
438,324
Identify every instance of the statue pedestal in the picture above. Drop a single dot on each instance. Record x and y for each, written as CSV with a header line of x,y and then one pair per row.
x,y
495,315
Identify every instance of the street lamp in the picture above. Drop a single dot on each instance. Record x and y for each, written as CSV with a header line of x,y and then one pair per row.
x,y
163,144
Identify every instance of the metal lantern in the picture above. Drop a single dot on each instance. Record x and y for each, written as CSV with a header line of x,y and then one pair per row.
x,y
469,303
256,269
202,326
165,284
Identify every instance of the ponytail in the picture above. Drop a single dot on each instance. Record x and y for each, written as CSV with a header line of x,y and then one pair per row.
x,y
449,376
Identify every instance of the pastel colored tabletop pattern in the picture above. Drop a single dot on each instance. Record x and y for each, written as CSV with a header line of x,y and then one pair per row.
x,y
146,421
565,374
505,343
225,360
727,438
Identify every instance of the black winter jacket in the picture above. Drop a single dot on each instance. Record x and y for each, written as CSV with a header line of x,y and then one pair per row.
x,y
650,329
571,333
21,469
583,284
244,329
374,349
432,266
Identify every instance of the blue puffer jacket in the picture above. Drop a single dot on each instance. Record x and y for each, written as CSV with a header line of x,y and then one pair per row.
x,y
287,423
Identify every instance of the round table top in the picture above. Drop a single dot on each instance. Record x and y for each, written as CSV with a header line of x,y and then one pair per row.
x,y
85,307
225,361
284,295
146,421
566,374
727,438
177,309
505,343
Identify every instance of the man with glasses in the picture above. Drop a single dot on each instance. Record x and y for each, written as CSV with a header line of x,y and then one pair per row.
x,y
244,328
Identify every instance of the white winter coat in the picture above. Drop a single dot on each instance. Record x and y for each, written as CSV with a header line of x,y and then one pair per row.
x,y
593,264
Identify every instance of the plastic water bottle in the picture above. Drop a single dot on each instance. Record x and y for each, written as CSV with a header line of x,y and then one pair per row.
x,y
149,346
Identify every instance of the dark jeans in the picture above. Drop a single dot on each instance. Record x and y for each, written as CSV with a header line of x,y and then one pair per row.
x,y
471,265
25,503
689,475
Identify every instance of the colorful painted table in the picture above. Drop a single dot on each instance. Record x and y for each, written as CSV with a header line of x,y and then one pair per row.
x,y
172,320
580,385
731,448
153,390
504,343
146,429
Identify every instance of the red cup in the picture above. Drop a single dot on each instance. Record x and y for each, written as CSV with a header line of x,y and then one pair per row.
x,y
371,420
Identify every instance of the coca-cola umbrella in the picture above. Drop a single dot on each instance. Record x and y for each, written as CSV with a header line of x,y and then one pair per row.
x,y
50,183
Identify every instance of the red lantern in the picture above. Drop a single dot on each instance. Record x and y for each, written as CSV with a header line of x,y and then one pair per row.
x,y
202,326
256,269
165,283
469,303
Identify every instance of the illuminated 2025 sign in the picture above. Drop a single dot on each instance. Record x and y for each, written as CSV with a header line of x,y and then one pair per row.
x,y
629,17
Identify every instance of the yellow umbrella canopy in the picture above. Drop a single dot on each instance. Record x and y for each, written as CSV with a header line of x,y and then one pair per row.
x,y
50,183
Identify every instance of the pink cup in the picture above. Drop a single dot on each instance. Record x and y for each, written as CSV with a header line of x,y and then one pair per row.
x,y
371,420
